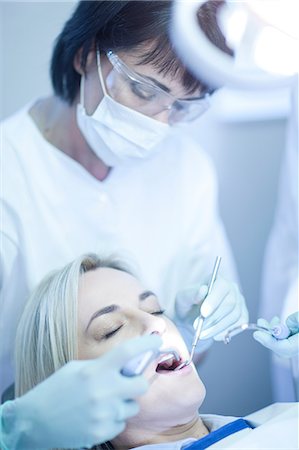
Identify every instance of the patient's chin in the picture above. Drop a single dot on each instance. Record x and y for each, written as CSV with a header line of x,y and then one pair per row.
x,y
167,408
194,396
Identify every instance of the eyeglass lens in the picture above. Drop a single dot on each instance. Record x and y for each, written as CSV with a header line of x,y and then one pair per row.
x,y
145,99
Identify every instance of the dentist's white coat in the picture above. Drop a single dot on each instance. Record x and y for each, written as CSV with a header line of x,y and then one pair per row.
x,y
280,282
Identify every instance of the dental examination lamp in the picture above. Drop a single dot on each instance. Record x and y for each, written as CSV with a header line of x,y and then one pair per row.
x,y
264,36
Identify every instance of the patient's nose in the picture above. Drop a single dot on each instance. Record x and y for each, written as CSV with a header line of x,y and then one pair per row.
x,y
155,325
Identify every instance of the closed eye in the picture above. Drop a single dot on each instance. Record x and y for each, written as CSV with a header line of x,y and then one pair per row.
x,y
158,313
142,91
112,333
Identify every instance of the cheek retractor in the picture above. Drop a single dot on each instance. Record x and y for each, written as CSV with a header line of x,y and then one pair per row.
x,y
201,319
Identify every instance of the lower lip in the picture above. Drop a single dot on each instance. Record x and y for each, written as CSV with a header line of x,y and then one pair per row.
x,y
183,371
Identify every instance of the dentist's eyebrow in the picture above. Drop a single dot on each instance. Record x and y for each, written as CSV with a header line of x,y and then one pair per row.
x,y
156,82
101,312
144,295
166,89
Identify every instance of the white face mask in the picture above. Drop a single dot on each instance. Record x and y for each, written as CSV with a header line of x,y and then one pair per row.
x,y
118,134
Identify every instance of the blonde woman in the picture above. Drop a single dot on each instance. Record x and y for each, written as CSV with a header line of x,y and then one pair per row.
x,y
83,312
80,402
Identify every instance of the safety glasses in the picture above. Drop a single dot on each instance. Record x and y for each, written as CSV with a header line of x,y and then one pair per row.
x,y
134,91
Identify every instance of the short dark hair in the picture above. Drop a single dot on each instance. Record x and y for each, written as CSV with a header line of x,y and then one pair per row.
x,y
125,25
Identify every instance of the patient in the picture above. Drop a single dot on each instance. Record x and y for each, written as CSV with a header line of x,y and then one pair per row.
x,y
86,309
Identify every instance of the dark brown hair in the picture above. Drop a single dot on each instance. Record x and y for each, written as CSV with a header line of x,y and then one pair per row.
x,y
126,25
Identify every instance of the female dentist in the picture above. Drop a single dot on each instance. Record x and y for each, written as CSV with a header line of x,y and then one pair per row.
x,y
100,166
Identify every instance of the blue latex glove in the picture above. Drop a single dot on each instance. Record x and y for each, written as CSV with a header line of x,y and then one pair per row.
x,y
224,308
286,348
82,404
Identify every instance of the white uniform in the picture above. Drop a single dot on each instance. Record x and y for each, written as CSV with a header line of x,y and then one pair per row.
x,y
161,212
280,283
281,263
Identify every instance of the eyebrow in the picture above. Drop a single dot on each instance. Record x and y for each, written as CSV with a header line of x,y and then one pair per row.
x,y
144,295
166,89
156,82
112,308
101,312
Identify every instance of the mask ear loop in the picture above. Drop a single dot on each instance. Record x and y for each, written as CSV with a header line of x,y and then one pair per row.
x,y
82,86
82,81
100,73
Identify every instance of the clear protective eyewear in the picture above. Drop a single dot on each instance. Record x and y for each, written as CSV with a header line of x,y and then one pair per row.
x,y
132,90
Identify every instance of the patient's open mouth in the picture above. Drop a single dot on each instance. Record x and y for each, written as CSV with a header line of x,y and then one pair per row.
x,y
168,363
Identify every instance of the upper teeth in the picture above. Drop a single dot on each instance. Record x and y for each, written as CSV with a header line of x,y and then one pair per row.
x,y
166,359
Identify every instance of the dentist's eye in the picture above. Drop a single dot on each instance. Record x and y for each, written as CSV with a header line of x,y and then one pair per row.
x,y
143,92
158,313
112,333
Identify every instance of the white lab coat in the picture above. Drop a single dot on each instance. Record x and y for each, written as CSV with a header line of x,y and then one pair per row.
x,y
280,281
161,213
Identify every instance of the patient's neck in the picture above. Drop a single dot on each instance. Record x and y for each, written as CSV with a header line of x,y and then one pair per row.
x,y
140,436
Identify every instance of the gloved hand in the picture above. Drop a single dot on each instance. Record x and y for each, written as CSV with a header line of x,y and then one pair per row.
x,y
224,308
286,348
82,404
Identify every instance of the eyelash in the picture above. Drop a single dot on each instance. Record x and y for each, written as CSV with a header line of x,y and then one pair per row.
x,y
136,90
111,333
158,313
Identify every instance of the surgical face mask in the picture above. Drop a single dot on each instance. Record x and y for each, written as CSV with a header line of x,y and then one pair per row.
x,y
117,134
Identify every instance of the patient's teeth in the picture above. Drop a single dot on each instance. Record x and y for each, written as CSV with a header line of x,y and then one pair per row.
x,y
166,358
168,361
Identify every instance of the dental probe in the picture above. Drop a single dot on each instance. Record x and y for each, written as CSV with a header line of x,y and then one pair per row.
x,y
201,318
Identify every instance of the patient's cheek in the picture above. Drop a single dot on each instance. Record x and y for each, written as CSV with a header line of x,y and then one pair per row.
x,y
203,391
90,349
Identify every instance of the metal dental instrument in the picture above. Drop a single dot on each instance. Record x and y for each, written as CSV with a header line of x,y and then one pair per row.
x,y
201,318
139,363
279,331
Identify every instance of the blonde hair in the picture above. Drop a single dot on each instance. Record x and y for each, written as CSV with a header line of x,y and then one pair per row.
x,y
47,333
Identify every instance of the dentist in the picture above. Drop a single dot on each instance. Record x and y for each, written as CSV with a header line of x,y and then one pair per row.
x,y
101,165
